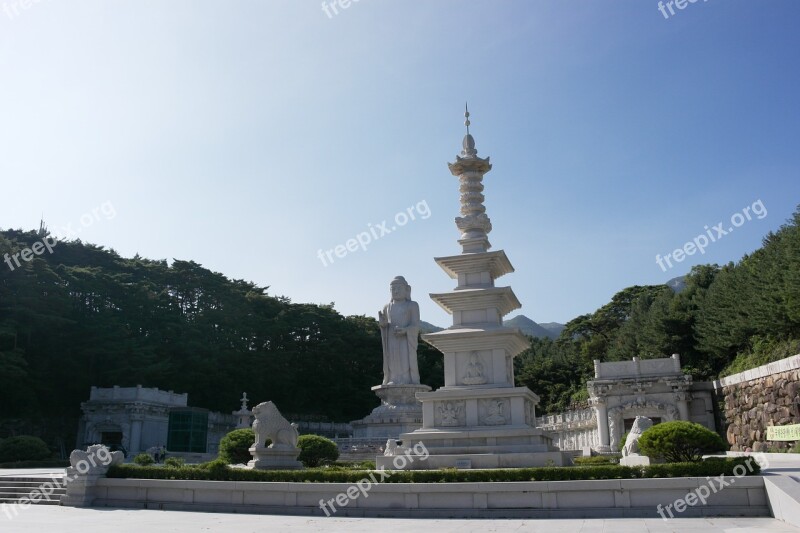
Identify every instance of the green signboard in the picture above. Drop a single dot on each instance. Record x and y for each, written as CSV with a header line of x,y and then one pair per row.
x,y
783,432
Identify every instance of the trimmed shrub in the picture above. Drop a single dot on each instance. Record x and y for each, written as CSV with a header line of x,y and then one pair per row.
x,y
144,459
234,448
321,475
216,469
680,441
316,450
175,462
23,448
365,465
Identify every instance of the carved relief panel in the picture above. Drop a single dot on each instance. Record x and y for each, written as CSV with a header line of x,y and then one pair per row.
x,y
493,411
475,372
449,413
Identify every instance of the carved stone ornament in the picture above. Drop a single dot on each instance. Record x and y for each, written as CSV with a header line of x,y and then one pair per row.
x,y
493,412
474,373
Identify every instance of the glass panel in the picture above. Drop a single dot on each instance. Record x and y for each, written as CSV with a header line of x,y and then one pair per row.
x,y
188,431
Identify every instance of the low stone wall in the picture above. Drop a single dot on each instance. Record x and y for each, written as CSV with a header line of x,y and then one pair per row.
x,y
359,449
571,430
537,499
326,429
757,398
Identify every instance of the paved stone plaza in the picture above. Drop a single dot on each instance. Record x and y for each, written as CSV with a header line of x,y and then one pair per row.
x,y
40,518
73,520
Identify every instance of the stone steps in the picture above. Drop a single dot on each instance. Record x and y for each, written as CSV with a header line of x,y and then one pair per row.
x,y
14,488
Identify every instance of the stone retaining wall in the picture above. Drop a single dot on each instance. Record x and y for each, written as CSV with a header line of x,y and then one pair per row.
x,y
533,499
757,398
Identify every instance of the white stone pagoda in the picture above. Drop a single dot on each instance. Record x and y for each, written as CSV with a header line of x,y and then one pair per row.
x,y
478,419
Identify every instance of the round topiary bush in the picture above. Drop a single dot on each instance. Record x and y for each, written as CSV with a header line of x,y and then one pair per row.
x,y
680,441
23,448
234,448
144,459
175,462
316,450
217,466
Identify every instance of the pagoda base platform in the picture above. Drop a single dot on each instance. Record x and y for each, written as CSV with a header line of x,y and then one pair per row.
x,y
400,412
477,447
275,459
385,427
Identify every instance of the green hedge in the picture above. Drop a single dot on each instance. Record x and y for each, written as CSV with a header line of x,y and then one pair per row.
x,y
706,468
703,469
596,460
144,459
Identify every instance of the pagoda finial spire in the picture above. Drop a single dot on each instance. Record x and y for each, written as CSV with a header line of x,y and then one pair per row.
x,y
468,145
474,224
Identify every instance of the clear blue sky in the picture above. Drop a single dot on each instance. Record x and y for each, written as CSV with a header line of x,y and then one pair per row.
x,y
248,135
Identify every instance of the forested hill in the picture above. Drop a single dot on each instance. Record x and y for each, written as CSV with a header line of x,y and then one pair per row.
x,y
726,319
83,316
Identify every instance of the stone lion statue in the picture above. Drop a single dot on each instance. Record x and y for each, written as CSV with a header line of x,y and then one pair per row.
x,y
391,448
640,425
270,424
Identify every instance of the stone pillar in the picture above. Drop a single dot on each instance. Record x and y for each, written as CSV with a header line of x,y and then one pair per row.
x,y
676,362
136,433
682,401
601,410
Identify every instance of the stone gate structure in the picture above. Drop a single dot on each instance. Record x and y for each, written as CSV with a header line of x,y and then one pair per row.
x,y
623,390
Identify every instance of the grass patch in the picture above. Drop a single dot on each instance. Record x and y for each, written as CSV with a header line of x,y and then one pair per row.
x,y
710,467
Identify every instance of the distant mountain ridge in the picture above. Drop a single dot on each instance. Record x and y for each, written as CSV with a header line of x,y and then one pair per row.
x,y
427,327
550,330
677,284
554,327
